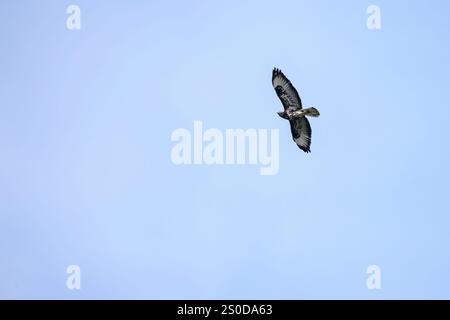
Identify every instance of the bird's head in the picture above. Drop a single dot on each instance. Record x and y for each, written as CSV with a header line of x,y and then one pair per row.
x,y
283,115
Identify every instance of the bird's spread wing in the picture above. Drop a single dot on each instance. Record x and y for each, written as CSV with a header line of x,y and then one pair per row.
x,y
301,133
285,90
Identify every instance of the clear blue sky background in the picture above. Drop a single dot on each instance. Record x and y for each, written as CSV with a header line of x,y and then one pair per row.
x,y
85,170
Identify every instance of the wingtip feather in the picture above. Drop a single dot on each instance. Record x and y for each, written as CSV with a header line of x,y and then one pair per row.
x,y
305,149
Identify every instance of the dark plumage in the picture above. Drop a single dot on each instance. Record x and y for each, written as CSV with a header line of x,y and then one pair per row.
x,y
293,110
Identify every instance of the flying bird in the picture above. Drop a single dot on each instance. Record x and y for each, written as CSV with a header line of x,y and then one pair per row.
x,y
293,110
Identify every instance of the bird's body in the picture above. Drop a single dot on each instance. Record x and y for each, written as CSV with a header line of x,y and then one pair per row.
x,y
293,110
292,114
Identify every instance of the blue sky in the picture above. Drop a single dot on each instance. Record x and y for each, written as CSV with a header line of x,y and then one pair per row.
x,y
86,176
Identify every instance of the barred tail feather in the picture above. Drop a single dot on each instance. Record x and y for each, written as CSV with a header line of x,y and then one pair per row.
x,y
312,112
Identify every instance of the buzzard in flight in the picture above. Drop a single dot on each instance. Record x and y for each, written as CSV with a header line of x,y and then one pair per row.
x,y
293,111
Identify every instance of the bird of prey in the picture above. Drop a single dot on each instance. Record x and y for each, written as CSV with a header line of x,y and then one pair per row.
x,y
293,110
